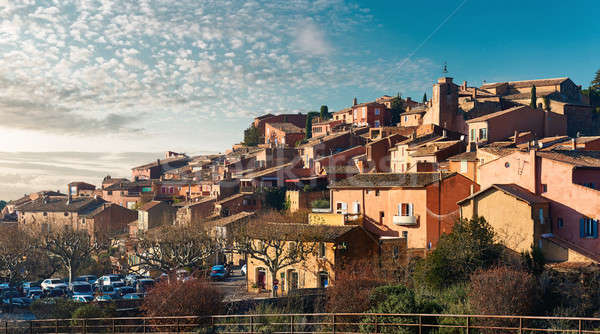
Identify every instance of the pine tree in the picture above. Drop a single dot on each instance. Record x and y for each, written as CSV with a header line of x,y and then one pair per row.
x,y
533,103
324,113
595,85
425,97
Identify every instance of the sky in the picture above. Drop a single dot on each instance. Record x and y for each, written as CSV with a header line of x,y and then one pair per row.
x,y
188,75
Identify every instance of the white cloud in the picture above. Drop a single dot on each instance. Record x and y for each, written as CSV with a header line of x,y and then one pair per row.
x,y
310,39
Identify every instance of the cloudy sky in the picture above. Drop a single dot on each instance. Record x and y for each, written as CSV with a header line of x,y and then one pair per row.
x,y
152,75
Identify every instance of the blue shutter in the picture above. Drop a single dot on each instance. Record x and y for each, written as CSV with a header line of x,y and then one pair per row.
x,y
595,228
582,228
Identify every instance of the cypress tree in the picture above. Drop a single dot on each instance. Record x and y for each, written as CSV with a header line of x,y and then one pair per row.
x,y
425,97
324,113
308,130
533,103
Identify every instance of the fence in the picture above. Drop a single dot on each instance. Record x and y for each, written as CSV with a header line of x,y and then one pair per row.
x,y
324,323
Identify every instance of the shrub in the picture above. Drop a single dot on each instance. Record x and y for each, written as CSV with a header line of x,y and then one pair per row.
x,y
469,247
502,291
194,297
320,204
351,290
57,308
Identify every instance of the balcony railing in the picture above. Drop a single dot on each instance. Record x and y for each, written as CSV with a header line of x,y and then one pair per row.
x,y
405,220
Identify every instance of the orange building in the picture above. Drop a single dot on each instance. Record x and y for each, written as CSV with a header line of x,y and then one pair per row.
x,y
418,206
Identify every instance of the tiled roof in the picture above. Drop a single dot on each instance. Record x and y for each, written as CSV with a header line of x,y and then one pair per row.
x,y
128,185
390,180
512,190
575,158
264,172
230,198
162,162
528,83
583,140
348,170
522,96
54,204
496,114
499,150
301,232
432,148
82,184
286,127
149,205
468,156
343,111
416,110
240,216
368,104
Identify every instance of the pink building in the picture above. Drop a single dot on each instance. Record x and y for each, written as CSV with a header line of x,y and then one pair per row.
x,y
568,179
371,114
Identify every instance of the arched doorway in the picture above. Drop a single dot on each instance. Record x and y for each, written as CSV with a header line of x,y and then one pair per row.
x,y
323,279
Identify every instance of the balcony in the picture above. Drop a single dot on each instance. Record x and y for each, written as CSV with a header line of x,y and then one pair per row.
x,y
405,220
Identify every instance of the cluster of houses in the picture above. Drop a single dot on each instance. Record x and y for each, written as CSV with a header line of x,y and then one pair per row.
x,y
376,190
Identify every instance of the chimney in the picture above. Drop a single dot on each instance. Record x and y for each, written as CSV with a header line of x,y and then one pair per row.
x,y
354,102
474,92
533,172
573,144
158,162
516,139
444,133
464,85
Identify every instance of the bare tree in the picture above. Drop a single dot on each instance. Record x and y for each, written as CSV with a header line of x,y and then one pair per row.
x,y
276,243
74,249
15,249
176,247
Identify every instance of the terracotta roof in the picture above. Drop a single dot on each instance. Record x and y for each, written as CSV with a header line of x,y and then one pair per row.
x,y
432,148
348,170
300,232
512,190
413,111
343,111
264,116
54,204
80,184
583,140
522,96
230,198
571,245
264,172
286,127
469,156
163,162
149,205
575,158
528,83
496,114
501,149
368,104
240,216
390,180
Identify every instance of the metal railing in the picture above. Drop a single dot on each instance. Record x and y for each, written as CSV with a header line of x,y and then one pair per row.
x,y
324,323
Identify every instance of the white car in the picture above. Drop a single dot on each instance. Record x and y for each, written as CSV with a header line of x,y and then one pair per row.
x,y
243,270
53,283
83,298
109,280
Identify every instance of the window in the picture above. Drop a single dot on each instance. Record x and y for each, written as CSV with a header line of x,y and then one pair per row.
x,y
170,190
376,111
377,192
163,190
541,216
322,250
560,222
588,228
377,124
45,214
396,252
364,112
544,187
473,139
355,113
356,207
483,134
405,209
589,185
406,118
341,208
66,214
323,279
463,166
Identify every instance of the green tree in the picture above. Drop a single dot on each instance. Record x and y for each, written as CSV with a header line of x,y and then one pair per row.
x,y
547,103
309,119
596,82
324,114
533,103
424,97
396,109
469,247
251,136
533,260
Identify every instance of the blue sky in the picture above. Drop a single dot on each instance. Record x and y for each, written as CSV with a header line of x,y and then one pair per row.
x,y
189,75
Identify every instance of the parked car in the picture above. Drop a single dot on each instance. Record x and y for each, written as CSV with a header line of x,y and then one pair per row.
x,y
218,272
52,293
144,285
83,298
35,294
243,270
86,278
53,283
28,286
131,279
107,290
126,290
81,288
134,296
103,298
109,280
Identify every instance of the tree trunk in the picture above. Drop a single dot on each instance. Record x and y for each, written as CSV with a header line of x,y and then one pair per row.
x,y
274,278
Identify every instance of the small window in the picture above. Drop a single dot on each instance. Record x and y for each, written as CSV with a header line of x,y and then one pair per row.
x,y
541,216
463,166
322,250
506,164
376,193
560,222
588,228
376,111
396,252
45,214
544,188
66,214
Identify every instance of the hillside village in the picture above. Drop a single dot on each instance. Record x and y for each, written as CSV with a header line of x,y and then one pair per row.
x,y
379,181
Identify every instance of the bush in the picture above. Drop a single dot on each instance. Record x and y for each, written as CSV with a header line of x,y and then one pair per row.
x,y
194,297
503,291
469,247
351,291
94,311
320,204
57,308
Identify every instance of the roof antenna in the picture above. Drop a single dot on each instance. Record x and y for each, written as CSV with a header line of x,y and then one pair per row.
x,y
445,70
